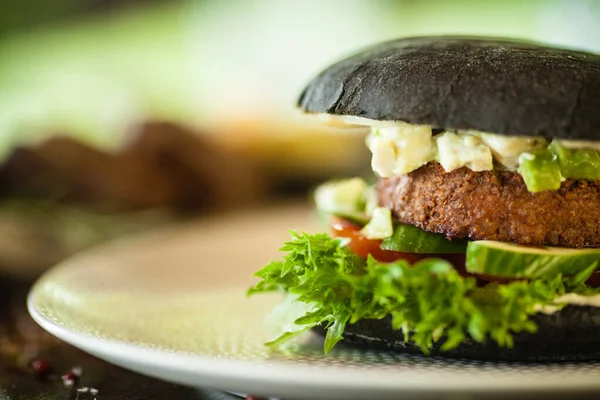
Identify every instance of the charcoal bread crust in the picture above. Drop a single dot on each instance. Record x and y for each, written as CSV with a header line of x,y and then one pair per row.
x,y
492,85
568,335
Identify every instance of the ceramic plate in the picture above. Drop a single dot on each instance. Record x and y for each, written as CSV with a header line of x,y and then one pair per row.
x,y
172,305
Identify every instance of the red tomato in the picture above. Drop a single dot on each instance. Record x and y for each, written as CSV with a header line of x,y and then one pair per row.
x,y
594,279
363,247
360,245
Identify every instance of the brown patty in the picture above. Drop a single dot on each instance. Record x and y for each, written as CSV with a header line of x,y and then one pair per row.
x,y
494,205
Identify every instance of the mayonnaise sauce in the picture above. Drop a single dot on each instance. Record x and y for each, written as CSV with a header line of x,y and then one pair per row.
x,y
572,299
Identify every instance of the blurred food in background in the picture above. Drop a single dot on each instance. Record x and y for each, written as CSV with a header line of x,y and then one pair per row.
x,y
161,165
118,116
62,196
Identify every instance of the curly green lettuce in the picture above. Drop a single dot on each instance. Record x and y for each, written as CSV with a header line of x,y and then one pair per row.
x,y
429,301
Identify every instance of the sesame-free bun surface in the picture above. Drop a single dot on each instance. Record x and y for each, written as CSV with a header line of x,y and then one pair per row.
x,y
491,85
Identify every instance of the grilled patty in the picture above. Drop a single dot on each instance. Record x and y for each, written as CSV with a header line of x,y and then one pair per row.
x,y
494,205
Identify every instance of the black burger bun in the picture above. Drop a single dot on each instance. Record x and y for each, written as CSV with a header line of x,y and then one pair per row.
x,y
491,85
569,335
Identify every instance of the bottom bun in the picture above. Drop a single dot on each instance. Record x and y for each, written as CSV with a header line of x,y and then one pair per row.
x,y
572,334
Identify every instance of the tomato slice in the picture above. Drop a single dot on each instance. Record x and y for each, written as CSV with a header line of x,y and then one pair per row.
x,y
594,279
362,246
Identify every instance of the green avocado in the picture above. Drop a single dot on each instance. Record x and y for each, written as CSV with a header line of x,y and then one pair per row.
x,y
577,163
540,170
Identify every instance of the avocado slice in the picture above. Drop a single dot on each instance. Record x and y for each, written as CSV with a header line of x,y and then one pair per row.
x,y
577,163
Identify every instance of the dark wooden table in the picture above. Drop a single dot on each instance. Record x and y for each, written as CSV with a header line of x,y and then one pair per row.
x,y
23,344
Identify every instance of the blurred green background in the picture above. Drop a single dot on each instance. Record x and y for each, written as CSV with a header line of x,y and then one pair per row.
x,y
115,111
91,68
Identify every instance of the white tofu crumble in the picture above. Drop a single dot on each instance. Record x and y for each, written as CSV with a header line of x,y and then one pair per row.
x,y
402,148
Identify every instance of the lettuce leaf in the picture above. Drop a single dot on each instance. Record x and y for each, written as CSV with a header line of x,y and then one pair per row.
x,y
429,301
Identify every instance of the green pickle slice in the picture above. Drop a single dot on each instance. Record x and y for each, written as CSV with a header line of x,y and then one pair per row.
x,y
408,238
516,261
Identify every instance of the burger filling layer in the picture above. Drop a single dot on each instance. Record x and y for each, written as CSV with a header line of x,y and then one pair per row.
x,y
371,266
457,241
430,297
402,148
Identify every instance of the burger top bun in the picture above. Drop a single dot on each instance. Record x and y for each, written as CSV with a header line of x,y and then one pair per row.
x,y
492,85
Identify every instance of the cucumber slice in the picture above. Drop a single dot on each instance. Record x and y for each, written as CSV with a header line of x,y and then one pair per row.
x,y
409,238
516,261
